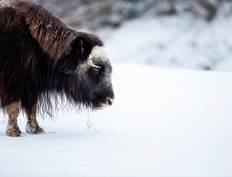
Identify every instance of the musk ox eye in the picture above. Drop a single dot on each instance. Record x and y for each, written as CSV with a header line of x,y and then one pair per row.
x,y
96,73
97,70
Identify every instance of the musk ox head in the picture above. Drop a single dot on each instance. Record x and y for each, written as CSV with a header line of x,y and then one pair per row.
x,y
88,72
94,75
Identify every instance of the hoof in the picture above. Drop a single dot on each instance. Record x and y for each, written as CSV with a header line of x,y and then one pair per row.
x,y
34,129
13,132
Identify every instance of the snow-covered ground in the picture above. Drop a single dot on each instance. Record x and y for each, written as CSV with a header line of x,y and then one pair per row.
x,y
164,123
176,42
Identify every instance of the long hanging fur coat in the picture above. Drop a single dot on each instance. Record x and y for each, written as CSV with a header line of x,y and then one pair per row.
x,y
35,49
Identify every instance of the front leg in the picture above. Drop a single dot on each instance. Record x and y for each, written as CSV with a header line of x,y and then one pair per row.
x,y
32,126
13,111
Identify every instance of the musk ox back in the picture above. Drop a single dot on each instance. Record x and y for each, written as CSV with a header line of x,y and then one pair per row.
x,y
40,56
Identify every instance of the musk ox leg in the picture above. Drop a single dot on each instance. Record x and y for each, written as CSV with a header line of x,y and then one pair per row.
x,y
32,124
13,111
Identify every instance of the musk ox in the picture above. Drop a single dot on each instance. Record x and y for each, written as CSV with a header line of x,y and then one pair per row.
x,y
41,57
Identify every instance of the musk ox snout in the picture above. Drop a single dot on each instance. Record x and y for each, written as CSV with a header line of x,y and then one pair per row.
x,y
107,101
102,95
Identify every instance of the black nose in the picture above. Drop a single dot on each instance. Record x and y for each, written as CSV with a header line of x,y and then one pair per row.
x,y
109,101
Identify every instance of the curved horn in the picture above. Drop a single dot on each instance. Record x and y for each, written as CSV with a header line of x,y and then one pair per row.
x,y
90,63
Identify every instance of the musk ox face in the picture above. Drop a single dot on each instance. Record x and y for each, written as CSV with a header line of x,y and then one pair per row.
x,y
95,79
92,87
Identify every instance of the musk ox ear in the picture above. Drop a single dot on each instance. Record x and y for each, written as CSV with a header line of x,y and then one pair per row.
x,y
81,48
86,42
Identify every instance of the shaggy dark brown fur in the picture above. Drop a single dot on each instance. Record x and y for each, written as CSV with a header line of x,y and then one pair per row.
x,y
39,56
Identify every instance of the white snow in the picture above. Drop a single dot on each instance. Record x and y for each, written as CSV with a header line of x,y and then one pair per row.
x,y
164,123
